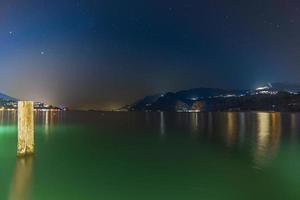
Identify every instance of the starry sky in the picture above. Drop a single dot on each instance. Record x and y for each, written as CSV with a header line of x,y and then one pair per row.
x,y
103,54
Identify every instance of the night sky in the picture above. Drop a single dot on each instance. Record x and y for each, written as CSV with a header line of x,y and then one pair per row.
x,y
104,54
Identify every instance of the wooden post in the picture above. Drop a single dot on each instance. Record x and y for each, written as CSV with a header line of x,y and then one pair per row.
x,y
25,128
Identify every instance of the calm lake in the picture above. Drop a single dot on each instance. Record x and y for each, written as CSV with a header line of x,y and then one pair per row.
x,y
153,156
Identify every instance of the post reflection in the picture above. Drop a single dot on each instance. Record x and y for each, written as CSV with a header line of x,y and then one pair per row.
x,y
21,183
267,138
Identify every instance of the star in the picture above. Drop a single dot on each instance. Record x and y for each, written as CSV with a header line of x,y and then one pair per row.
x,y
42,52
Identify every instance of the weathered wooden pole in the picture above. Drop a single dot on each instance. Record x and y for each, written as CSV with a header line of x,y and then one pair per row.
x,y
25,128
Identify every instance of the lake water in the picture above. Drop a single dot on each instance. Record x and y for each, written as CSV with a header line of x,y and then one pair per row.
x,y
153,156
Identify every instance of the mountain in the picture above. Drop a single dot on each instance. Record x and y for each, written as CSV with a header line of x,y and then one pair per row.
x,y
181,99
7,102
269,97
143,103
201,93
6,97
286,87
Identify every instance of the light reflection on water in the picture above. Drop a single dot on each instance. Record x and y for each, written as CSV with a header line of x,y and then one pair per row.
x,y
258,136
232,129
268,135
162,124
242,127
21,181
8,117
22,178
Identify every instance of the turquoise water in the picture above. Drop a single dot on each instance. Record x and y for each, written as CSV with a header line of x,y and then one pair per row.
x,y
90,155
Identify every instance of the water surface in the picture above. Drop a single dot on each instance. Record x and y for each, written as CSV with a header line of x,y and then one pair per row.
x,y
112,156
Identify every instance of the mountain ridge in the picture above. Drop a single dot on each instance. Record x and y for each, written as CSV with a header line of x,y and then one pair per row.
x,y
6,97
214,98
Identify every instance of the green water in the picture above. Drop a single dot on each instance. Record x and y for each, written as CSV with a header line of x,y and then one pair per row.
x,y
116,156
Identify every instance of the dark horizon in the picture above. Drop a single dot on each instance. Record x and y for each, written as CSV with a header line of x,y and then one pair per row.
x,y
106,54
157,93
